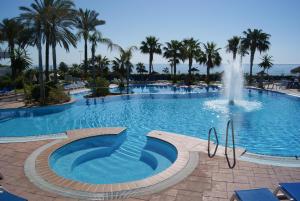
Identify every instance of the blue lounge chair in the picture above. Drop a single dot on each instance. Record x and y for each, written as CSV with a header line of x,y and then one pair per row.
x,y
262,194
6,196
290,190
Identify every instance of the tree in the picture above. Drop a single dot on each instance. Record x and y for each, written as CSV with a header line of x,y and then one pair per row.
x,y
254,40
150,46
210,57
233,46
166,70
96,38
140,68
10,32
125,57
22,60
172,51
33,17
63,67
60,19
86,22
102,64
190,50
266,62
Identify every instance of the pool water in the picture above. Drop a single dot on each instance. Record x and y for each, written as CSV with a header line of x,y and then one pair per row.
x,y
101,160
273,128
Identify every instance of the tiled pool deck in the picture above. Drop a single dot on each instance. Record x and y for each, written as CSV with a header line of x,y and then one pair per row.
x,y
210,181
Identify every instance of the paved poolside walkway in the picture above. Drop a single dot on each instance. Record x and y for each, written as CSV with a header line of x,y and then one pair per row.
x,y
210,181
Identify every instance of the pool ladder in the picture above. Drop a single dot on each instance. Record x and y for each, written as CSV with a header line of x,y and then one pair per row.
x,y
211,155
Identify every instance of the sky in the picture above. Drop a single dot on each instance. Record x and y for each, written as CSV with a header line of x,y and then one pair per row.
x,y
128,22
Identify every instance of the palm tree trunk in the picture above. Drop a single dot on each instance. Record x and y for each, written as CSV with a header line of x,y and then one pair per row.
x,y
150,63
54,61
234,55
85,56
127,78
251,65
47,58
208,75
190,66
41,77
94,70
12,60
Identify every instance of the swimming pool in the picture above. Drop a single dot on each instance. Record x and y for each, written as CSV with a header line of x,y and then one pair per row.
x,y
272,128
83,159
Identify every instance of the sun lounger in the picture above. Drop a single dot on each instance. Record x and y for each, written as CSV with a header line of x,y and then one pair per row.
x,y
290,190
6,196
262,194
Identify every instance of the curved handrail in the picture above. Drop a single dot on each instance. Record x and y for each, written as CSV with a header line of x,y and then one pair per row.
x,y
217,141
230,124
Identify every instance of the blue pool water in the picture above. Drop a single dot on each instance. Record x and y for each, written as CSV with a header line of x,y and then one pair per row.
x,y
101,160
271,128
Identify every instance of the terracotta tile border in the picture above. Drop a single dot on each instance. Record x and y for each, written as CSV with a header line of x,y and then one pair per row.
x,y
43,169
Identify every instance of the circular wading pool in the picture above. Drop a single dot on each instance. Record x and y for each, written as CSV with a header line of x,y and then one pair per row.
x,y
96,164
101,160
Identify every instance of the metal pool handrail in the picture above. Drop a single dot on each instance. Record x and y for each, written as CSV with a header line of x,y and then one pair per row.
x,y
217,142
230,124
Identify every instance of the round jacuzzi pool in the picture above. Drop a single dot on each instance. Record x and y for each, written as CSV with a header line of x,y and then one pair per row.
x,y
101,160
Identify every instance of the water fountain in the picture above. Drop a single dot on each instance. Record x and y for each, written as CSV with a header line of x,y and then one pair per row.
x,y
233,80
233,100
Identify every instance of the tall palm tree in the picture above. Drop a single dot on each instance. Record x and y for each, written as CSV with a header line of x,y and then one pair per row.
x,y
60,19
10,32
34,17
172,51
95,38
190,50
151,46
209,57
86,22
233,46
254,40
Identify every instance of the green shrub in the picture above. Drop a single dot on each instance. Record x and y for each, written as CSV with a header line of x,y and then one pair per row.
x,y
19,82
5,81
57,96
100,87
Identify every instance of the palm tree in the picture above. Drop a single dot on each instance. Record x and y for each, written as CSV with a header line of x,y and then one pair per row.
x,y
10,31
233,45
86,22
242,51
60,15
102,63
140,68
254,40
190,50
150,46
95,38
166,70
22,60
266,63
125,57
34,17
210,57
172,51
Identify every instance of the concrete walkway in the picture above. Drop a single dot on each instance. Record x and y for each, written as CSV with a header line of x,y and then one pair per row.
x,y
210,181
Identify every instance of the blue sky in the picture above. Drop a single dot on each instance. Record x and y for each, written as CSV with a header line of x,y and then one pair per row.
x,y
130,21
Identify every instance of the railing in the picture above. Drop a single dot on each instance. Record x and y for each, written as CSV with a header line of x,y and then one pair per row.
x,y
230,125
217,142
